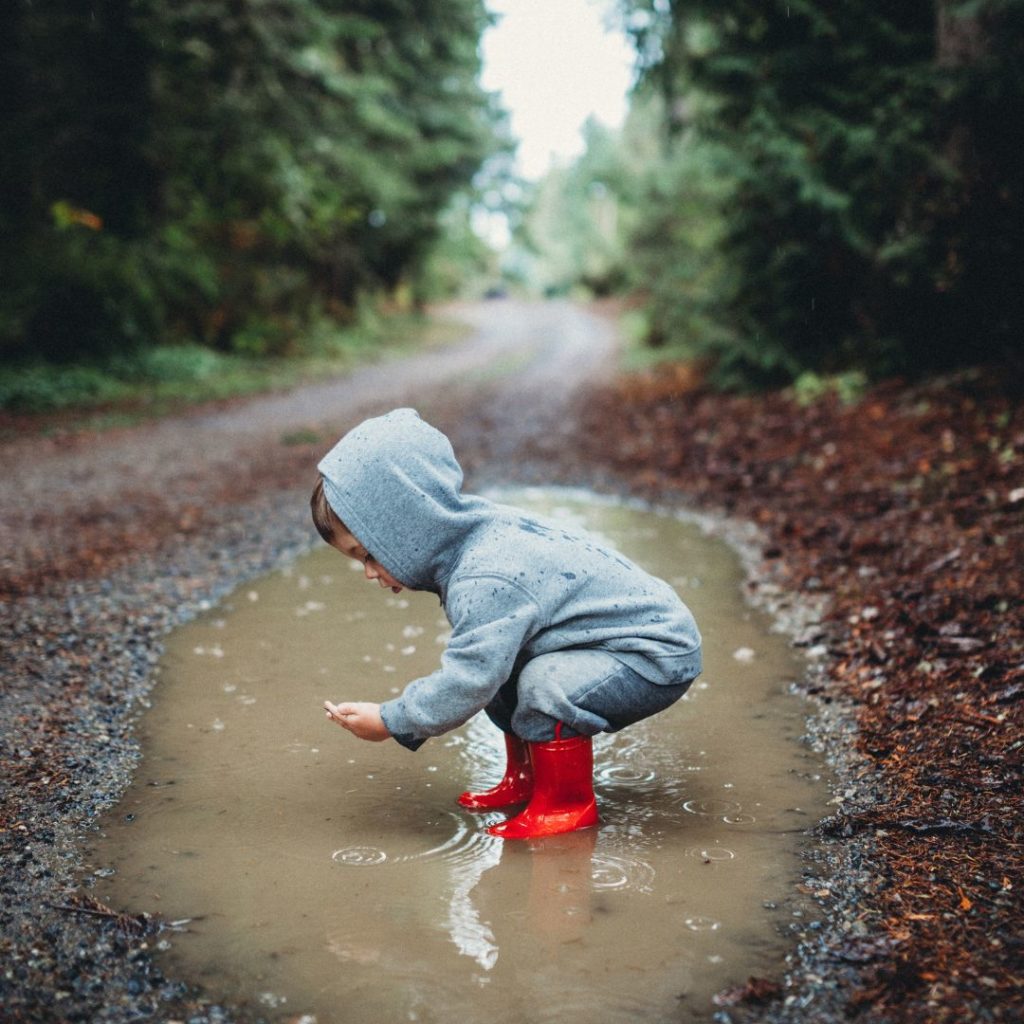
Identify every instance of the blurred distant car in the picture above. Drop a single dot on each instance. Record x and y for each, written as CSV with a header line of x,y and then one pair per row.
x,y
496,291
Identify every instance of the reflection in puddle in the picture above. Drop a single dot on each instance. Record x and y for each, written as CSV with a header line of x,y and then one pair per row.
x,y
338,880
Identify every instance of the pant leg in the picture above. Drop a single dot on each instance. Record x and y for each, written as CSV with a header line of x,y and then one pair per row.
x,y
588,691
502,706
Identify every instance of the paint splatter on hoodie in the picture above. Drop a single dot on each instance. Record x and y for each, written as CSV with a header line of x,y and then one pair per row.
x,y
511,583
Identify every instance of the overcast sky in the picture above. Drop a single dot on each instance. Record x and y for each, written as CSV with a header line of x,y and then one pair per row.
x,y
555,64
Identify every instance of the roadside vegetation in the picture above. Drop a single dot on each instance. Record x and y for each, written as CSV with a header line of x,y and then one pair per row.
x,y
155,381
205,199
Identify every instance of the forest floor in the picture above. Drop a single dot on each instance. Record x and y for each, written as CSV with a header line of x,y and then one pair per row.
x,y
902,513
906,508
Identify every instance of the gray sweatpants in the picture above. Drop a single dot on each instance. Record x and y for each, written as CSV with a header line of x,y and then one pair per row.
x,y
587,691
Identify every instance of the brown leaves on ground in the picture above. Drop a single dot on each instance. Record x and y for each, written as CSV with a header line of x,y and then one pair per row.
x,y
755,990
908,508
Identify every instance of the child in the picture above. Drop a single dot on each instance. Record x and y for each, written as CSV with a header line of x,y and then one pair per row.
x,y
554,635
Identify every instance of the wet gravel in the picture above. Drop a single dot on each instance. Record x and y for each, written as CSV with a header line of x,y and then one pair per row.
x,y
78,665
79,657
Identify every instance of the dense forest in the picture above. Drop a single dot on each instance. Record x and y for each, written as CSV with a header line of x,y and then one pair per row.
x,y
807,188
227,171
801,188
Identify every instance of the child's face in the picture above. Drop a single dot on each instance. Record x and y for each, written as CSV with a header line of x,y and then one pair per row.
x,y
347,544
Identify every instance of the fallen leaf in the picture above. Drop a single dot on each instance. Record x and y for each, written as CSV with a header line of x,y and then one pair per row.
x,y
756,990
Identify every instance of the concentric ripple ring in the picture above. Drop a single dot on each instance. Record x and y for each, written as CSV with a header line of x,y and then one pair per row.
x,y
360,856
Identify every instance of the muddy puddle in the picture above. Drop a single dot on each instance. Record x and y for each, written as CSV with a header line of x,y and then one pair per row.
x,y
337,880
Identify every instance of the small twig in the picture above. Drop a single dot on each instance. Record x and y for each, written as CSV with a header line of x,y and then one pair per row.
x,y
84,910
133,924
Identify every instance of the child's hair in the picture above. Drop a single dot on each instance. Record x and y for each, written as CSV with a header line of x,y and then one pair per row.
x,y
324,519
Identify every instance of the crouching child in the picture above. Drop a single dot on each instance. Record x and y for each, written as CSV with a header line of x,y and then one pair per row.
x,y
555,635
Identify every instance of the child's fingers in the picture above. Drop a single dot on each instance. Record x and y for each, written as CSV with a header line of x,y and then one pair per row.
x,y
334,712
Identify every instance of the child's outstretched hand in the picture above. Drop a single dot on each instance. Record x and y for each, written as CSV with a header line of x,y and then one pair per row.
x,y
361,718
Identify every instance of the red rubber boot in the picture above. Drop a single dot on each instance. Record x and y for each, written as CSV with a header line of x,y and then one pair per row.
x,y
515,788
563,791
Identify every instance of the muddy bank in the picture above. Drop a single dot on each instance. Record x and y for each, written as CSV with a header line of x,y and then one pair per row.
x,y
856,516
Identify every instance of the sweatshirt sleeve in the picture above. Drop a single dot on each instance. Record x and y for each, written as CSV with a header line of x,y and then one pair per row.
x,y
492,618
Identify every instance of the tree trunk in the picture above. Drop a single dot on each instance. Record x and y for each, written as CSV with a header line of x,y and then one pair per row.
x,y
959,41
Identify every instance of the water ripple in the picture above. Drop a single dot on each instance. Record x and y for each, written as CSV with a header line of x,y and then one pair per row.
x,y
464,846
629,776
739,819
621,871
700,923
712,807
360,856
711,853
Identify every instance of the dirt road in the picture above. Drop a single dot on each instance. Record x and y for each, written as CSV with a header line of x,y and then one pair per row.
x,y
78,503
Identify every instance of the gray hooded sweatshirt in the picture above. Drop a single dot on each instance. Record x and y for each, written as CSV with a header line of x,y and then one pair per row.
x,y
513,585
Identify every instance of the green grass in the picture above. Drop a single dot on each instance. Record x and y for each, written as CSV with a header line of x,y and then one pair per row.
x,y
171,378
848,387
636,355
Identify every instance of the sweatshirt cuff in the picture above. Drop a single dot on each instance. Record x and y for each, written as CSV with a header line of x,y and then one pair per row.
x,y
393,715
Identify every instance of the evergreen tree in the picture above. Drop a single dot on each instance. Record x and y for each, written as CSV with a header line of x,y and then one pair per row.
x,y
857,228
79,189
225,169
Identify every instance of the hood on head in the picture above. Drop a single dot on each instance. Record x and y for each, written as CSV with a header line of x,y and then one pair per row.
x,y
395,483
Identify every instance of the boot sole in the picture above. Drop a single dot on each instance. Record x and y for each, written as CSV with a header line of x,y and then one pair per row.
x,y
546,825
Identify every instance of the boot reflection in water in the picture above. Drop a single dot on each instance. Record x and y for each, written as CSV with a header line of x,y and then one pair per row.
x,y
563,790
561,888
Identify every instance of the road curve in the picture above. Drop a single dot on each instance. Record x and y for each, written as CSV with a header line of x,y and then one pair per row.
x,y
83,498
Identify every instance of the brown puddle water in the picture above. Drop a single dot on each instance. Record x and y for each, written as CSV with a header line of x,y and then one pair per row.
x,y
336,880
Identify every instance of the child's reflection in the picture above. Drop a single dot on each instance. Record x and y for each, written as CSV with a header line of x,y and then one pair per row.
x,y
520,903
